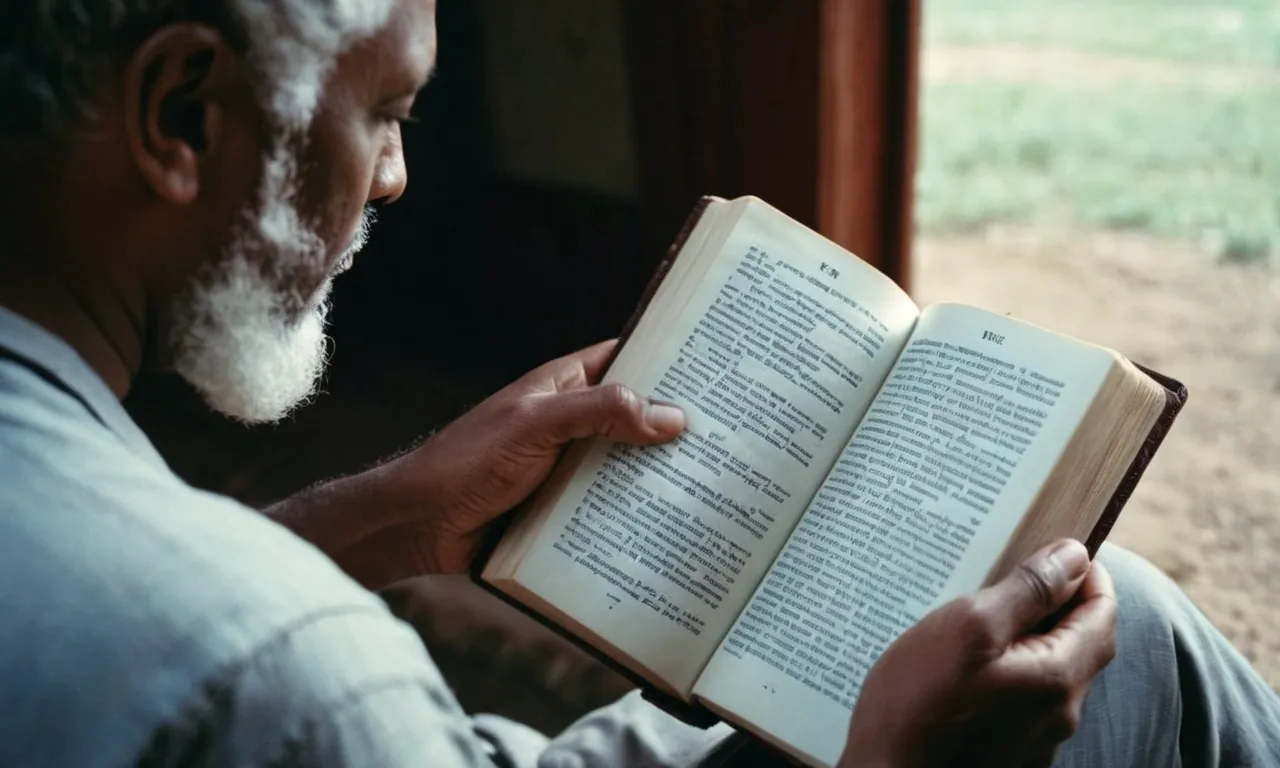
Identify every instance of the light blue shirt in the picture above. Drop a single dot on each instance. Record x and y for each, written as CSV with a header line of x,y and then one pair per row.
x,y
145,622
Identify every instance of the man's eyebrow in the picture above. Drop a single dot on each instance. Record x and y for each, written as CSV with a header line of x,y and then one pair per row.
x,y
415,89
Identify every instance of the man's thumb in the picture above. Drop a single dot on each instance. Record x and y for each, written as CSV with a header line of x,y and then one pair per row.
x,y
614,411
1034,591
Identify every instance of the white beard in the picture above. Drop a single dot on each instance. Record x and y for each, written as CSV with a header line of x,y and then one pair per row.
x,y
244,338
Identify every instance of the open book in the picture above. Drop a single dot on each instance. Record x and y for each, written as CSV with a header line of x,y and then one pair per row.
x,y
851,462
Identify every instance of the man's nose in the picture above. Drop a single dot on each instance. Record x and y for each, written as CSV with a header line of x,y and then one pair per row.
x,y
390,178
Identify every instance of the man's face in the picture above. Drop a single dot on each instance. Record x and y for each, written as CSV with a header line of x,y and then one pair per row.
x,y
249,331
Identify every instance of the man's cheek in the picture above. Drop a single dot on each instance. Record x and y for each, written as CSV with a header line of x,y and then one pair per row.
x,y
330,221
351,215
335,196
343,207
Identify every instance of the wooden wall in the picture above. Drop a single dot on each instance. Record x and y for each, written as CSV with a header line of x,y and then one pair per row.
x,y
525,237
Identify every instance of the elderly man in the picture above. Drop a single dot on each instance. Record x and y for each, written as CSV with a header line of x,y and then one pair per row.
x,y
180,180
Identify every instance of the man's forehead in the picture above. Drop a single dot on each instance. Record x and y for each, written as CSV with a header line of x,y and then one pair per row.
x,y
412,28
405,49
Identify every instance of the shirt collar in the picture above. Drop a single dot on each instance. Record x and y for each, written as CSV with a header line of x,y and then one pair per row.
x,y
52,358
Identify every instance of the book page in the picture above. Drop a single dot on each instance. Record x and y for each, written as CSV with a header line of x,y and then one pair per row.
x,y
919,505
775,359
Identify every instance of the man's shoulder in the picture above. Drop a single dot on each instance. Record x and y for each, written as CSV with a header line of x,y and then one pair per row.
x,y
138,635
87,498
131,596
112,530
81,506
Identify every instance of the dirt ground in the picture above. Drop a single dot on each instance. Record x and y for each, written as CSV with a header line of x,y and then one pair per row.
x,y
1208,510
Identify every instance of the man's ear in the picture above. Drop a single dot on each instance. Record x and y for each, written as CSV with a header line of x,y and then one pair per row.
x,y
172,115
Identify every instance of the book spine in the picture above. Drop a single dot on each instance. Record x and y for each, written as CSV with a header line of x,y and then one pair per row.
x,y
660,274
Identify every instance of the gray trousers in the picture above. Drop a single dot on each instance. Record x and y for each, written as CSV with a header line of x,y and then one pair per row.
x,y
1177,694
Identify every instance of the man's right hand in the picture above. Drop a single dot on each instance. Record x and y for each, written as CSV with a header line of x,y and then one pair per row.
x,y
974,683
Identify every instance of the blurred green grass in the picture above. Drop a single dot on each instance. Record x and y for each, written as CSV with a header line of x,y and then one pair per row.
x,y
1183,156
1226,32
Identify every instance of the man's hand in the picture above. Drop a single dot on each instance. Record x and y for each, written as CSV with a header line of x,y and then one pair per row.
x,y
973,684
490,459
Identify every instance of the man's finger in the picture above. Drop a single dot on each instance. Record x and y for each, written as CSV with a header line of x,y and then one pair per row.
x,y
1097,602
1083,642
595,357
612,411
579,369
1038,587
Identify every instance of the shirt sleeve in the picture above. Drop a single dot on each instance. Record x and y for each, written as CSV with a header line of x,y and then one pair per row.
x,y
343,687
632,732
352,686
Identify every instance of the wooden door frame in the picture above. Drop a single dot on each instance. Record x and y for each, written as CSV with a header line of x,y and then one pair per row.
x,y
809,104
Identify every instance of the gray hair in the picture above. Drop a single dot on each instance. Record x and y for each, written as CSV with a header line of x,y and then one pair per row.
x,y
54,54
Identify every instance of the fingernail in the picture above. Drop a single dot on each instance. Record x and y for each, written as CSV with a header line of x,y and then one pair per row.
x,y
663,417
1072,557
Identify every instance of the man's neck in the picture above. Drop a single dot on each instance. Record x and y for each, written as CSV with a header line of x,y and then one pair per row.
x,y
104,336
66,287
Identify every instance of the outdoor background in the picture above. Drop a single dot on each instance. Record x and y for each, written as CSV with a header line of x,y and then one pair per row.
x,y
1112,170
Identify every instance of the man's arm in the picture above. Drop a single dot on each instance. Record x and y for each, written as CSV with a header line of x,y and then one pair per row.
x,y
425,511
345,684
349,519
348,685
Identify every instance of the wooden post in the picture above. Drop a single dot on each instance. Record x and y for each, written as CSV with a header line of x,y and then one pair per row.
x,y
809,104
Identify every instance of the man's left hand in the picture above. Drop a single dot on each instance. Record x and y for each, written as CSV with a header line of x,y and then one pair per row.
x,y
490,459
